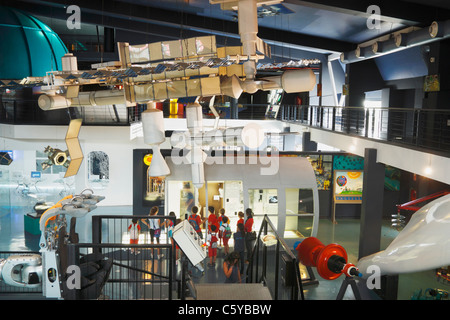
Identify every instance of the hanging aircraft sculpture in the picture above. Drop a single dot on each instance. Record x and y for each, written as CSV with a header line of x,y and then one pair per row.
x,y
174,69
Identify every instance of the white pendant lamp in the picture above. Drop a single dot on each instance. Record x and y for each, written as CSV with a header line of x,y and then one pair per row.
x,y
158,166
154,135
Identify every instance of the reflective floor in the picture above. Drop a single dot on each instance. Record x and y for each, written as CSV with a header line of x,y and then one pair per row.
x,y
346,233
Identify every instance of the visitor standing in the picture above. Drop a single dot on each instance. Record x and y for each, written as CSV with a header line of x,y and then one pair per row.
x,y
212,249
154,226
226,233
134,229
239,244
213,218
231,268
241,218
250,235
196,221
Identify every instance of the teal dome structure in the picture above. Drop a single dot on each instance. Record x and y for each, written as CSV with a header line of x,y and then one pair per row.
x,y
29,48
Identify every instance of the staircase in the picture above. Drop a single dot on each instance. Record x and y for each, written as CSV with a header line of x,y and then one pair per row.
x,y
232,291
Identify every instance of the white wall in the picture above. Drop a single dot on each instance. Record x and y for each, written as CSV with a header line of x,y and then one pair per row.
x,y
400,157
113,140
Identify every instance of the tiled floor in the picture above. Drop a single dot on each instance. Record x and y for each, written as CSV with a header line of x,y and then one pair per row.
x,y
345,233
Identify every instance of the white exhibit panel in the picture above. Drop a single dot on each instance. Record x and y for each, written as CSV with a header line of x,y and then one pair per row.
x,y
277,174
189,241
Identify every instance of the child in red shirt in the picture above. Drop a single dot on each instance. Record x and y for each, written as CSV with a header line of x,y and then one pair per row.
x,y
226,234
196,222
212,218
241,218
212,249
134,228
221,218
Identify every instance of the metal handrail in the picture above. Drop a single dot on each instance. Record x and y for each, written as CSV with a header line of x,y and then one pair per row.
x,y
297,289
378,108
410,127
98,243
74,254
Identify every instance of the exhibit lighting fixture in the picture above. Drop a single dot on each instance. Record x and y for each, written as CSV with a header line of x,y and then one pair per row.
x,y
252,135
158,166
428,168
196,156
154,135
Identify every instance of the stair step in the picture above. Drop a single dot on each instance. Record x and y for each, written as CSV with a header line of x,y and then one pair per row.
x,y
232,291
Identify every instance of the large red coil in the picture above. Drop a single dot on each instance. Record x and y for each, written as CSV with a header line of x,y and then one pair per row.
x,y
312,252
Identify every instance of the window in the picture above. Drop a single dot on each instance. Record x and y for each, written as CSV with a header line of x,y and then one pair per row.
x,y
322,165
372,107
299,211
98,172
262,202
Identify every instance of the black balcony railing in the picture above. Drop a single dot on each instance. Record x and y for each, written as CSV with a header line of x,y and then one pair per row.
x,y
421,128
21,108
139,271
275,265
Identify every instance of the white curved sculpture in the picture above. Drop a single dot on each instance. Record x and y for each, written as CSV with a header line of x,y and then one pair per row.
x,y
16,270
424,243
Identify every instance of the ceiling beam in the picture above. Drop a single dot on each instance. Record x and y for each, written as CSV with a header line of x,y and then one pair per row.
x,y
395,11
121,14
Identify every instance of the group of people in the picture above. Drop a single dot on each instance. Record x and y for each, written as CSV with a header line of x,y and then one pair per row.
x,y
218,235
154,226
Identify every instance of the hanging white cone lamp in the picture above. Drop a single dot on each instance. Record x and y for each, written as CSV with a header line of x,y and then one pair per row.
x,y
158,166
154,135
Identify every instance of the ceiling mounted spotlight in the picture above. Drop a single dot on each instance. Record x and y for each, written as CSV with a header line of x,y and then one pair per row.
x,y
400,40
435,31
358,52
376,48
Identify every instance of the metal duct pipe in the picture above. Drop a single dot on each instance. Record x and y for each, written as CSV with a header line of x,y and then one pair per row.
x,y
84,99
250,136
291,81
436,31
301,80
248,30
99,98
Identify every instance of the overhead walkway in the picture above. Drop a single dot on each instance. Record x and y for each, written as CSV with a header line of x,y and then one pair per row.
x,y
414,140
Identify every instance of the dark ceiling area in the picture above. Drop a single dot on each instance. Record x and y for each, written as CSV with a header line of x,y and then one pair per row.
x,y
320,26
